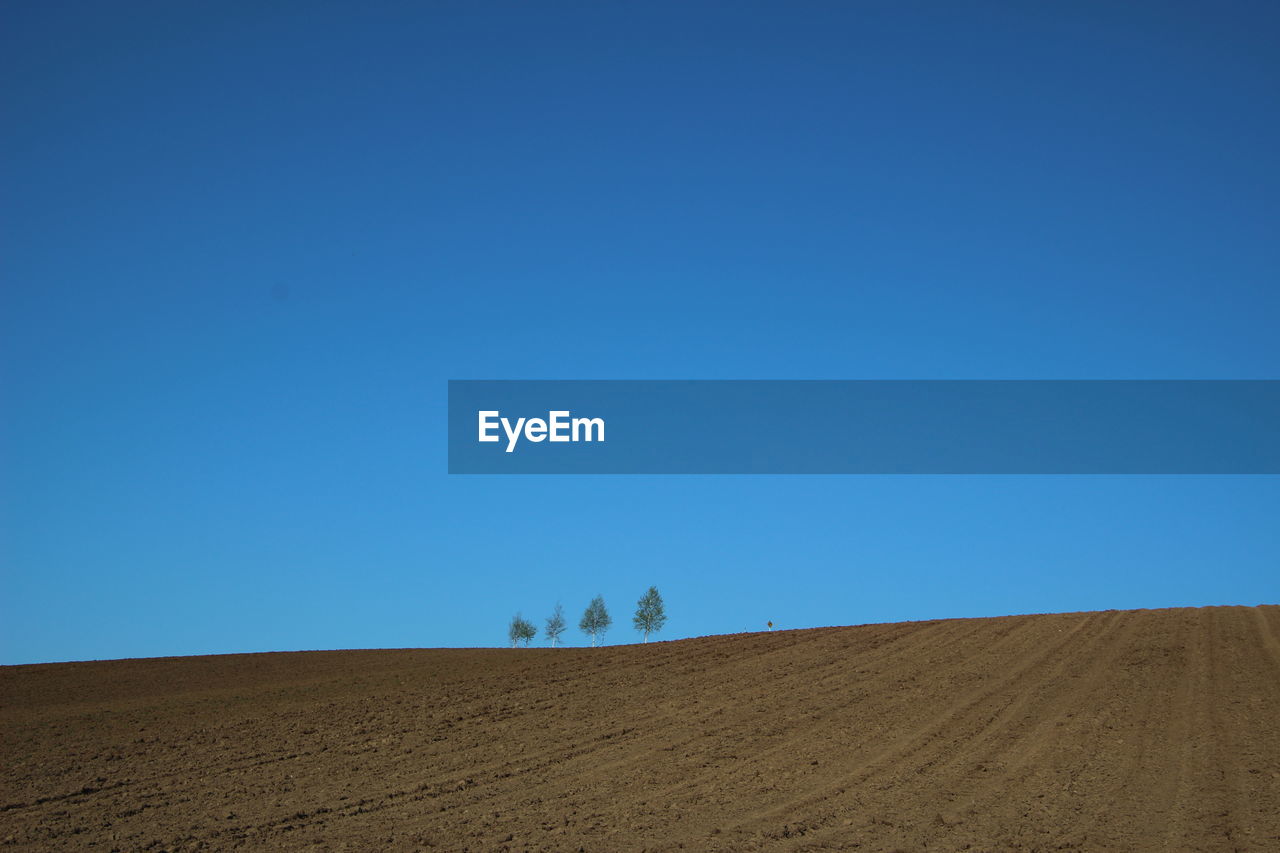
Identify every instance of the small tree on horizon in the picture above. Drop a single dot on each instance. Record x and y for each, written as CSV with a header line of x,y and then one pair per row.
x,y
555,626
520,629
596,620
650,614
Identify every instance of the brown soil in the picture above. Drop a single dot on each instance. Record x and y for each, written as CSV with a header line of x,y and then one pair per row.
x,y
1116,730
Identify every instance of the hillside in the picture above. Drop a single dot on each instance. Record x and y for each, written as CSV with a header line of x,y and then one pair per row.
x,y
1112,730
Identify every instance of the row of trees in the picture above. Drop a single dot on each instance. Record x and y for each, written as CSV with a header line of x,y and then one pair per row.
x,y
650,616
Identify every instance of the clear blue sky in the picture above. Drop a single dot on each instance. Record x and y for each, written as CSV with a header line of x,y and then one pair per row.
x,y
243,249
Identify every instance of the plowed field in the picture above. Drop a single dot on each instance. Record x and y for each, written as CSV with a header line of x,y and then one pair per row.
x,y
1120,730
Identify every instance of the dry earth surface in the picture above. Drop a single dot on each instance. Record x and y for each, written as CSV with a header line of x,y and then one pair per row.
x,y
1130,730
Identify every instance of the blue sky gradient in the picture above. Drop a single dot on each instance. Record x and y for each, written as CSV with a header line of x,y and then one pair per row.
x,y
244,248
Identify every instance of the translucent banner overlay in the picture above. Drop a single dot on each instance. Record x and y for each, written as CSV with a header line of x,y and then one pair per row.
x,y
864,427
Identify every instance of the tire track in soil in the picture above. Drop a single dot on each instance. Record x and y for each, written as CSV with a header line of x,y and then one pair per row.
x,y
1014,737
1187,810
1243,727
760,757
1268,633
988,733
929,738
1145,779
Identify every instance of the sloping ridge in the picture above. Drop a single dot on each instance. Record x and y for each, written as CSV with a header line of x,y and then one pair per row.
x,y
1124,730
